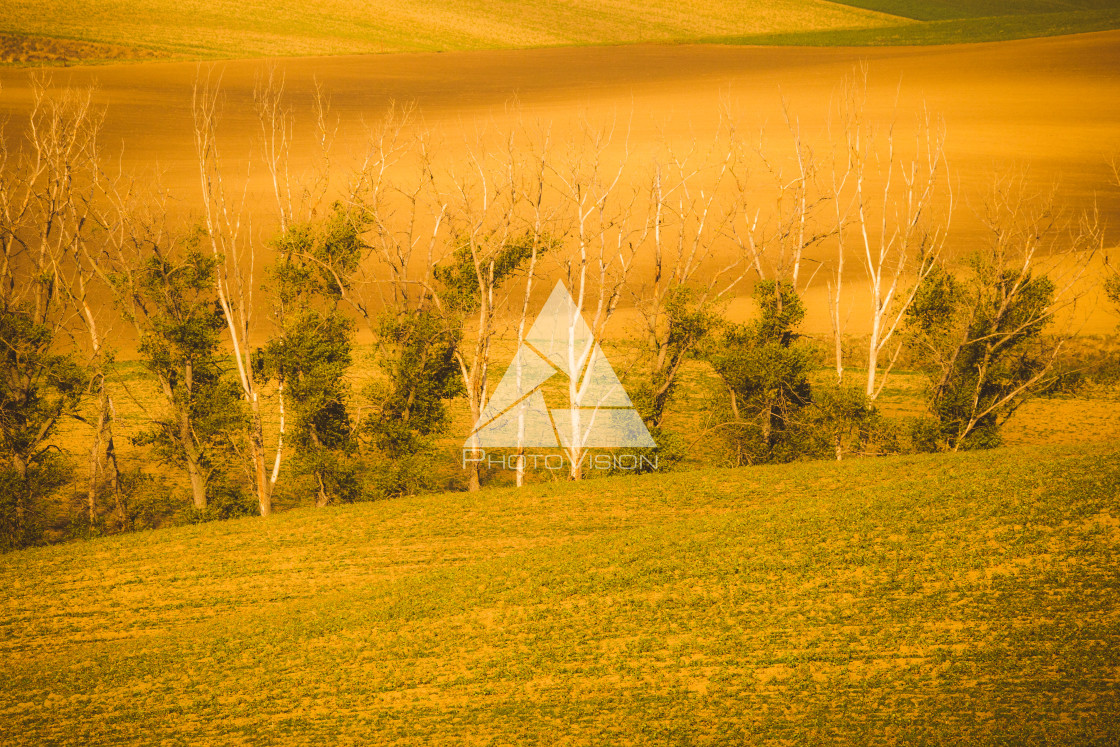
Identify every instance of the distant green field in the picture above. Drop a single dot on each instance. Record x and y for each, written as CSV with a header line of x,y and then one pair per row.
x,y
960,599
43,31
1002,27
944,10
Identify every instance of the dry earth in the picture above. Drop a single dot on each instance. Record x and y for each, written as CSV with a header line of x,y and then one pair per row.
x,y
1050,106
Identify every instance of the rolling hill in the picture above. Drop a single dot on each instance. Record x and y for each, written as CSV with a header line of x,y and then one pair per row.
x,y
966,599
53,31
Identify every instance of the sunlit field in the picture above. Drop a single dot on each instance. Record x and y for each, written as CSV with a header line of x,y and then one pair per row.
x,y
920,599
990,98
228,29
44,32
269,270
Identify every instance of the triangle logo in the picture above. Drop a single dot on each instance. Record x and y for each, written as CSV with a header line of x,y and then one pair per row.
x,y
599,413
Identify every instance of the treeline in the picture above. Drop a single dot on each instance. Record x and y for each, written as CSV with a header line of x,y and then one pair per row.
x,y
436,251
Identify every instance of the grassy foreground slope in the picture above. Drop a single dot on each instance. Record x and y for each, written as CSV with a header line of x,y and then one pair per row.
x,y
964,599
46,31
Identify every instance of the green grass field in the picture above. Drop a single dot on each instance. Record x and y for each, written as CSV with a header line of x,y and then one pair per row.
x,y
1000,26
38,31
967,599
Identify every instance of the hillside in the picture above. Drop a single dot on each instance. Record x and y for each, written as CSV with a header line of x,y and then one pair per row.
x,y
948,599
52,31
288,28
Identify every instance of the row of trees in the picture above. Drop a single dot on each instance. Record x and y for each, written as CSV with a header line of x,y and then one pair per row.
x,y
437,256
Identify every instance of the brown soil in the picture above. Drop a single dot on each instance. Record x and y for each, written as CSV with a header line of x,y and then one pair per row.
x,y
23,49
1048,105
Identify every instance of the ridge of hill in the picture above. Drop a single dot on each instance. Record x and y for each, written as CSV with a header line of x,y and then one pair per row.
x,y
52,32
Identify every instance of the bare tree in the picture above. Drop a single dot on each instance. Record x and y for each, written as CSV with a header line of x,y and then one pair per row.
x,y
850,123
605,238
894,201
232,246
693,205
48,213
83,288
774,234
493,238
277,129
544,227
298,196
395,194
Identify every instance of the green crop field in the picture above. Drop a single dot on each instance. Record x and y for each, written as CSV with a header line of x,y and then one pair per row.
x,y
944,10
37,31
962,599
953,23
